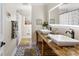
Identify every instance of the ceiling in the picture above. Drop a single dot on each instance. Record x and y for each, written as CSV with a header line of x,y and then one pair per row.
x,y
25,9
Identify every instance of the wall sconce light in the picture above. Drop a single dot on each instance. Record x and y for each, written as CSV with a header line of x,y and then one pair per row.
x,y
8,14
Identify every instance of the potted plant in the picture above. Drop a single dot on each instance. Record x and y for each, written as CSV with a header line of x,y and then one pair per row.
x,y
45,24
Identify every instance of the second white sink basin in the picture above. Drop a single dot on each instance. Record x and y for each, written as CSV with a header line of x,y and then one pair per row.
x,y
45,31
62,40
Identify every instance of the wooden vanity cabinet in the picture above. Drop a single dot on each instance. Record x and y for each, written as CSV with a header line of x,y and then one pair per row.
x,y
50,48
44,49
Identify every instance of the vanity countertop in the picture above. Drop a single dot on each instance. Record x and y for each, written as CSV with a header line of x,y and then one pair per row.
x,y
60,50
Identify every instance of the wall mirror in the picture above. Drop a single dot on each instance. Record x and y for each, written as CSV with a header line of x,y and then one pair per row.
x,y
64,13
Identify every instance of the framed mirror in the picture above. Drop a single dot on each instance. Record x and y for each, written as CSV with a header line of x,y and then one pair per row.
x,y
64,14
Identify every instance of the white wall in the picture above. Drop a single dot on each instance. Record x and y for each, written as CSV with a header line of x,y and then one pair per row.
x,y
37,13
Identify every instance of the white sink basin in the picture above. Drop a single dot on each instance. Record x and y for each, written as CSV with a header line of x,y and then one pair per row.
x,y
45,31
62,40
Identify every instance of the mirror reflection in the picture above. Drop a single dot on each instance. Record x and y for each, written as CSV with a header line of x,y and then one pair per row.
x,y
66,13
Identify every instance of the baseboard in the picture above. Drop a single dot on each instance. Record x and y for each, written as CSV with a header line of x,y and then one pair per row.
x,y
14,51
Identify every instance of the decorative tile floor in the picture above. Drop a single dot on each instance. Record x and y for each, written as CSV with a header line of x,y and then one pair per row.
x,y
20,51
23,51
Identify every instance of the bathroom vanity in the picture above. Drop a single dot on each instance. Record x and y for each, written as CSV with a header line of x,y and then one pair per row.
x,y
49,48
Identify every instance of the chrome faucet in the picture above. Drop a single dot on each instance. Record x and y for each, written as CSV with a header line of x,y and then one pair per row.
x,y
71,31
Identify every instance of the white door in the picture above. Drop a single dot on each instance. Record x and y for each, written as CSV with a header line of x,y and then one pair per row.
x,y
1,48
1,36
